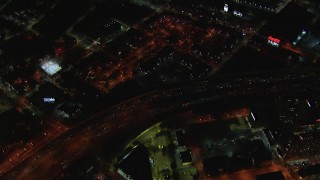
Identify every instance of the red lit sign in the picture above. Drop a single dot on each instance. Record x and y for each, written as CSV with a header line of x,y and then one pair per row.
x,y
276,40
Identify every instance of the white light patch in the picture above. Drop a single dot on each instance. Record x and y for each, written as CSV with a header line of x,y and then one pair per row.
x,y
49,100
51,67
226,8
237,13
308,103
253,116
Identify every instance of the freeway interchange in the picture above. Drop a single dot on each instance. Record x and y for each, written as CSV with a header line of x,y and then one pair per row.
x,y
147,109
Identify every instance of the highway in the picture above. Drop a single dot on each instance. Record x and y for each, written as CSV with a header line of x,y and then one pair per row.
x,y
148,109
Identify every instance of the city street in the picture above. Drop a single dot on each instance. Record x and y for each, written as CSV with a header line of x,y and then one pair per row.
x,y
115,121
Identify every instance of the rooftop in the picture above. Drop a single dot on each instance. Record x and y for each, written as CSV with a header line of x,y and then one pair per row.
x,y
51,66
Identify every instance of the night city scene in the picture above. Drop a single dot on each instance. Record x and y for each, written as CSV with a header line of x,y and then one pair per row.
x,y
160,89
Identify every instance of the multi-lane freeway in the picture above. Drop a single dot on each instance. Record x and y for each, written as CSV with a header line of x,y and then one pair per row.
x,y
147,109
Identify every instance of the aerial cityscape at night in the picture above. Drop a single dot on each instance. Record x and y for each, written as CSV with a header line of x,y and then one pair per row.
x,y
160,89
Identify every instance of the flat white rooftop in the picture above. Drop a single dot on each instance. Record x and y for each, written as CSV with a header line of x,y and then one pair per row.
x,y
51,67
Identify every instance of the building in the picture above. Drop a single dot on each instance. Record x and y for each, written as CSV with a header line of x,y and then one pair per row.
x,y
289,26
272,175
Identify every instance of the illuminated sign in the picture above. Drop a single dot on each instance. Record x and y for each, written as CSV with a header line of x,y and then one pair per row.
x,y
49,100
273,41
276,40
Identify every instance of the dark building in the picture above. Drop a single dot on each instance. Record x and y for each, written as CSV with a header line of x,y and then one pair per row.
x,y
273,175
136,164
310,171
185,157
288,24
2,34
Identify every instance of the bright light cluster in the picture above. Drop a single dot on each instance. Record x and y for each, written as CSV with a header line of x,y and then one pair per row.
x,y
274,41
51,67
49,100
226,8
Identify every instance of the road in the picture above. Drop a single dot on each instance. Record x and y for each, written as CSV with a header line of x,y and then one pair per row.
x,y
148,109
52,128
30,148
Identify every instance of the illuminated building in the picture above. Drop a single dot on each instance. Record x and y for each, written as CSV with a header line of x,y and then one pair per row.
x,y
51,66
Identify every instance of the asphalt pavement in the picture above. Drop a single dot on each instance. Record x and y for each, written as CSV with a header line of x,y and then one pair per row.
x,y
146,110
